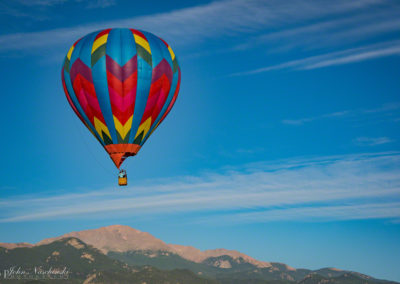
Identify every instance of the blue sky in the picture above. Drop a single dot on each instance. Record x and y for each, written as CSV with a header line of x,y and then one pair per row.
x,y
283,143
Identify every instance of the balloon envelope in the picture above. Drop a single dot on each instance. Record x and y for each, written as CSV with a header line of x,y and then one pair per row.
x,y
121,83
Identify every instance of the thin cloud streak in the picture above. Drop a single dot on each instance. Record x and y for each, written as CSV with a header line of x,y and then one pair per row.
x,y
101,4
309,119
372,141
389,210
362,56
334,181
333,32
332,59
40,2
383,110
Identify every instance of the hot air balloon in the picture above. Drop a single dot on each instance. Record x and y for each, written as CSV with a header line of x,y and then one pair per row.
x,y
121,83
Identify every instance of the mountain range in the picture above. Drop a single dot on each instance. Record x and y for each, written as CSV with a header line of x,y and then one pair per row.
x,y
121,254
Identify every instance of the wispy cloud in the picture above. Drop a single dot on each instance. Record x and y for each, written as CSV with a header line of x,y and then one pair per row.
x,y
40,10
385,110
40,2
347,29
50,3
389,210
101,4
372,141
13,11
332,59
198,23
301,121
340,185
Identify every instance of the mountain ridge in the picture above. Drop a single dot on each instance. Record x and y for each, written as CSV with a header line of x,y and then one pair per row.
x,y
75,262
122,238
139,249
